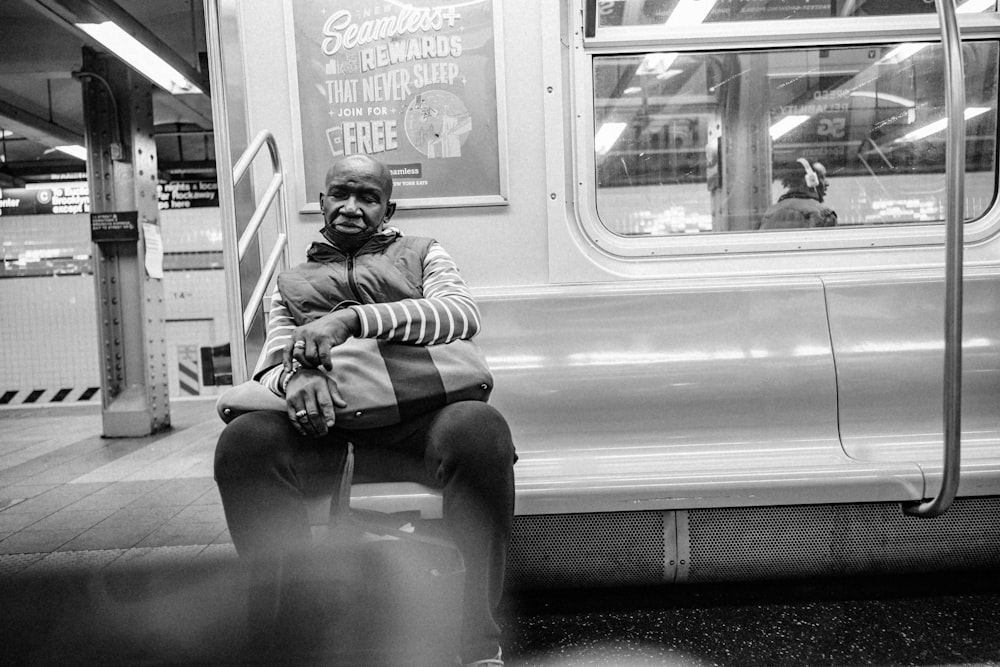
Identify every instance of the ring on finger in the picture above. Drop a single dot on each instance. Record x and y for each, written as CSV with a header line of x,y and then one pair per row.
x,y
299,344
301,415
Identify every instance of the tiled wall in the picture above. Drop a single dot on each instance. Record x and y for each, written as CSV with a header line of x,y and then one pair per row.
x,y
48,316
48,326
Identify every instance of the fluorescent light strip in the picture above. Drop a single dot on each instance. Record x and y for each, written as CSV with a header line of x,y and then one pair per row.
x,y
975,6
904,51
79,152
884,97
607,136
939,125
656,63
690,12
137,55
687,12
786,125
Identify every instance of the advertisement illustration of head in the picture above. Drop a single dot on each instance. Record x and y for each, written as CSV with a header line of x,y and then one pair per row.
x,y
437,124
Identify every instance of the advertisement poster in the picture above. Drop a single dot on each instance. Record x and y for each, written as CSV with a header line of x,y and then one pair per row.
x,y
413,84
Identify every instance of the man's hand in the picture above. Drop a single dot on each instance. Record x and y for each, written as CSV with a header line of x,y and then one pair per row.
x,y
310,399
310,344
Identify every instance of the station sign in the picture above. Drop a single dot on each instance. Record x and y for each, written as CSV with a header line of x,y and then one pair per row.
x,y
187,194
114,226
69,198
74,198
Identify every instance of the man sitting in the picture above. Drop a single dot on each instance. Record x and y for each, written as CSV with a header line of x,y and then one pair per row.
x,y
396,288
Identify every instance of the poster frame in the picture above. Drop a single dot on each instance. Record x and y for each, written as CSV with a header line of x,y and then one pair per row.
x,y
300,189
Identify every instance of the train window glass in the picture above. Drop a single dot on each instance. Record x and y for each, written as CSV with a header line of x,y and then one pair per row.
x,y
688,12
712,142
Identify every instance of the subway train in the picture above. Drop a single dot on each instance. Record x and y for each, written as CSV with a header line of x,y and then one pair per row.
x,y
695,396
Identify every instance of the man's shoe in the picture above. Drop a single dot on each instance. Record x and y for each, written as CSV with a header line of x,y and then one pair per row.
x,y
496,661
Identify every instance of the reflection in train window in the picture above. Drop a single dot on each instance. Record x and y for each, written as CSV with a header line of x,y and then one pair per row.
x,y
707,142
687,12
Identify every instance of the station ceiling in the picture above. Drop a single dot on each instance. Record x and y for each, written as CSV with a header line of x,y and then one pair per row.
x,y
41,103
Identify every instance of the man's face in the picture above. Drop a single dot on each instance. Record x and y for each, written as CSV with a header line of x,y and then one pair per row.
x,y
357,196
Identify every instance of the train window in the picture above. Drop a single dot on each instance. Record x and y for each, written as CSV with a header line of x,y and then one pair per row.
x,y
687,12
696,142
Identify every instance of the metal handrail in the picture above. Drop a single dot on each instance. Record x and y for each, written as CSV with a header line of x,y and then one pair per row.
x,y
274,190
278,255
954,219
273,260
250,233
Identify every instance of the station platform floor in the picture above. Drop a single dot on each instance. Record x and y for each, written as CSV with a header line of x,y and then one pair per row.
x,y
116,552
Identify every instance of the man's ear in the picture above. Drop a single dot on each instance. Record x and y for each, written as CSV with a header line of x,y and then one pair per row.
x,y
390,210
321,197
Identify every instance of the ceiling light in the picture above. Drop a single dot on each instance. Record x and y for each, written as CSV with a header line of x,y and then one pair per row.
x,y
973,6
79,152
690,12
607,136
904,51
786,125
655,63
939,125
138,56
879,96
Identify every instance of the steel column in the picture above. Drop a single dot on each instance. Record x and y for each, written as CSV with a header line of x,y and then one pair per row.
x,y
122,173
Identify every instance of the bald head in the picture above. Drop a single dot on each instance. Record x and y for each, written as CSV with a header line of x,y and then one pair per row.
x,y
356,203
361,166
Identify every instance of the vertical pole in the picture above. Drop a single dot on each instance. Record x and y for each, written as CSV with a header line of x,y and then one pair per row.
x,y
122,174
745,156
954,244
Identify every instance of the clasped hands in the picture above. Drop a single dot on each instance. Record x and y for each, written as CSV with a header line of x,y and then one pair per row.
x,y
311,396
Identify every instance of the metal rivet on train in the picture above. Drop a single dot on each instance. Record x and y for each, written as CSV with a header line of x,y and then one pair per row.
x,y
552,196
484,386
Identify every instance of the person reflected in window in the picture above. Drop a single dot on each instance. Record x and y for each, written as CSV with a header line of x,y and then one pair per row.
x,y
802,205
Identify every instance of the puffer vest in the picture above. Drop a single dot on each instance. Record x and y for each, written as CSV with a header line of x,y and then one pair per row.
x,y
388,268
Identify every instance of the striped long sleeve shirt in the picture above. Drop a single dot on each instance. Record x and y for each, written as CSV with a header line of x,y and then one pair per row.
x,y
446,312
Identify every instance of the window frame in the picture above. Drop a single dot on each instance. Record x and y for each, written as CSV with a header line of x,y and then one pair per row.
x,y
734,36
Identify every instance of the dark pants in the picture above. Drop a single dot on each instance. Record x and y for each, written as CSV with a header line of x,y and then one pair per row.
x,y
264,468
